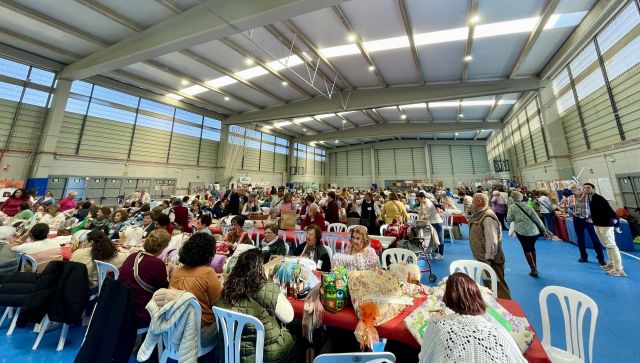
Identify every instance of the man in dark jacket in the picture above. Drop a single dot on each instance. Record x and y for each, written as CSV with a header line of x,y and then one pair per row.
x,y
237,199
604,221
331,214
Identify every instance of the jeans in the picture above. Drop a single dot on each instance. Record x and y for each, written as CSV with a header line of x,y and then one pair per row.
x,y
581,226
549,222
440,232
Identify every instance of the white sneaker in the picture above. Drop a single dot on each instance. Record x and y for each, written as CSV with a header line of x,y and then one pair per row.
x,y
438,257
618,273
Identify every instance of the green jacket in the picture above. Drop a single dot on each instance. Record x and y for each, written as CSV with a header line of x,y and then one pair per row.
x,y
527,221
279,344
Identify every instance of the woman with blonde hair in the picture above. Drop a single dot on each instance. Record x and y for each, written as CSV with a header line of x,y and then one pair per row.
x,y
393,209
358,255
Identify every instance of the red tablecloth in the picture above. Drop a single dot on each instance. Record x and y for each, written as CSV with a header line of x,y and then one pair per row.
x,y
396,330
460,219
561,228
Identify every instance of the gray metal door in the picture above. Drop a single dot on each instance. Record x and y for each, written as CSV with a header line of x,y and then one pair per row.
x,y
95,189
56,186
111,191
76,184
630,190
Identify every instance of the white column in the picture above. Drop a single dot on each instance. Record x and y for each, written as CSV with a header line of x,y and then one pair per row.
x,y
51,130
373,165
427,160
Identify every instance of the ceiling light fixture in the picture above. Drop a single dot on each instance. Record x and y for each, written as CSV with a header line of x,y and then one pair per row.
x,y
468,58
474,19
352,38
249,61
371,68
184,82
344,121
336,141
285,83
226,98
404,117
461,115
455,133
304,129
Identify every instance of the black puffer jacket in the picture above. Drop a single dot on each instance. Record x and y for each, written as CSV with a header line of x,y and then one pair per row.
x,y
16,287
61,291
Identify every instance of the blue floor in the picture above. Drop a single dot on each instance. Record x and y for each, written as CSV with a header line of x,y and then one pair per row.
x,y
618,301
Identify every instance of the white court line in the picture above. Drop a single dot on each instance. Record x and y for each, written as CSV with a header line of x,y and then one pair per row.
x,y
630,255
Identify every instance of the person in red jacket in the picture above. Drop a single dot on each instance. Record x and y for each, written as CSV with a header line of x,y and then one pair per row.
x,y
313,217
331,213
11,206
180,215
68,202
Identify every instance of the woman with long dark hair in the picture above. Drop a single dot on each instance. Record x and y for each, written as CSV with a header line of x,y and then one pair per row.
x,y
247,290
102,249
466,335
11,206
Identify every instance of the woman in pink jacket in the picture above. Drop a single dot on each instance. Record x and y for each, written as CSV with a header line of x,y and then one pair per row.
x,y
68,202
11,206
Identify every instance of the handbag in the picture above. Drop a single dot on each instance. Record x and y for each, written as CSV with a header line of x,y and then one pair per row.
x,y
542,231
288,219
334,291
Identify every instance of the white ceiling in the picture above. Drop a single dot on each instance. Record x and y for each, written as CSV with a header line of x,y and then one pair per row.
x,y
67,30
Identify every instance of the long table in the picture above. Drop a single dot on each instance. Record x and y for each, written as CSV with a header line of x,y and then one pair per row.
x,y
396,330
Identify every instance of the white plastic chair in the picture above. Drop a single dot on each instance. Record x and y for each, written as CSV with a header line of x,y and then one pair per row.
x,y
103,269
299,237
475,269
231,324
574,313
381,357
447,225
170,350
399,255
282,235
330,241
251,231
413,217
353,226
326,224
337,227
23,261
225,229
383,229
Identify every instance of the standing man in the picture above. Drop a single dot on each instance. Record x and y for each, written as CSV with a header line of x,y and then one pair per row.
x,y
145,198
485,239
604,221
582,223
276,202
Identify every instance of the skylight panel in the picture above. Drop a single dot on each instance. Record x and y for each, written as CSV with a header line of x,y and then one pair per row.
x,y
524,25
564,20
478,103
194,90
175,96
339,51
285,62
414,105
324,115
284,123
252,72
303,119
221,81
443,104
507,102
442,36
387,44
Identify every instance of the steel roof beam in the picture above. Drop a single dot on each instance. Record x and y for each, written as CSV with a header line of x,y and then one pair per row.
x,y
396,129
210,20
406,19
347,24
473,9
371,98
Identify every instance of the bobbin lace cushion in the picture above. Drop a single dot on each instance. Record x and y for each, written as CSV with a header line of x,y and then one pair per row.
x,y
465,338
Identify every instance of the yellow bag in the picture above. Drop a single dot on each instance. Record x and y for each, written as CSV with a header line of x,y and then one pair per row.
x,y
287,219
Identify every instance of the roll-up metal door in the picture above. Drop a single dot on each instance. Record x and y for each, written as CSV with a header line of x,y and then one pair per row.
x,y
461,156
386,162
440,160
419,163
56,186
341,163
355,162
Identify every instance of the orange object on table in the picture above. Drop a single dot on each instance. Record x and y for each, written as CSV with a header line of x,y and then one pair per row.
x,y
395,329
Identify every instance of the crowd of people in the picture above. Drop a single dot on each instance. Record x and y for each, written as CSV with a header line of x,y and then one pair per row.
x,y
227,270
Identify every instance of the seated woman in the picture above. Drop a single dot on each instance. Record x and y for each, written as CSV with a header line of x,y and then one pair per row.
x,y
101,220
11,206
272,244
40,248
148,224
313,218
144,273
252,206
118,222
25,214
198,278
465,335
102,249
202,224
248,291
313,249
47,200
219,209
236,234
358,255
195,209
53,217
164,222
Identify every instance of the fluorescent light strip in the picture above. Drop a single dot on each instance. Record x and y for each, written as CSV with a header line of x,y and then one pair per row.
x,y
443,36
